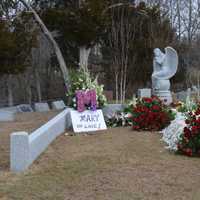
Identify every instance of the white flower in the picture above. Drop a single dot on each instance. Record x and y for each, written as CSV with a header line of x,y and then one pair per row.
x,y
172,133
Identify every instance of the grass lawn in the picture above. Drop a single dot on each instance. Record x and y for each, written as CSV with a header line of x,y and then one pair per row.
x,y
117,164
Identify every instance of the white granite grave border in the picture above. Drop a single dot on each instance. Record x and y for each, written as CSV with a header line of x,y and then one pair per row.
x,y
25,148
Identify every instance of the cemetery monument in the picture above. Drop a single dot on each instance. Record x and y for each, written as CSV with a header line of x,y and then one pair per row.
x,y
164,67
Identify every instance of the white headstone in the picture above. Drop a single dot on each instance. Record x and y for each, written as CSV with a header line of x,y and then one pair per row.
x,y
146,92
42,107
58,105
182,95
7,116
12,109
88,121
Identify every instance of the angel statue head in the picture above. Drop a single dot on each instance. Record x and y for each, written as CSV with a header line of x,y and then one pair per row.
x,y
159,57
157,52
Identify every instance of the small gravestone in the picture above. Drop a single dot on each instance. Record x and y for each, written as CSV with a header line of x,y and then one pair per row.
x,y
7,116
12,109
182,95
146,92
58,105
88,121
42,107
24,108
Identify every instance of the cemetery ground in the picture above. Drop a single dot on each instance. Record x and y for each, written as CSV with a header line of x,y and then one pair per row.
x,y
117,164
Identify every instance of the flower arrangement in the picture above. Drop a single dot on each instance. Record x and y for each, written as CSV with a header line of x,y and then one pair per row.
x,y
119,119
86,99
172,133
182,107
85,92
189,142
151,114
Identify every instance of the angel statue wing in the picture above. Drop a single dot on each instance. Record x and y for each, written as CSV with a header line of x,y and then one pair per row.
x,y
170,64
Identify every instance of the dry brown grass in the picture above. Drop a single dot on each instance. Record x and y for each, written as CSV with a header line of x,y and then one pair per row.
x,y
117,164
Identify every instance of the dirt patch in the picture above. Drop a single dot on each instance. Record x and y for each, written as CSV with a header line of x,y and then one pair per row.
x,y
24,122
117,164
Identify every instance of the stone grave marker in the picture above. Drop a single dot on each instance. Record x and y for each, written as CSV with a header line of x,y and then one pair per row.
x,y
145,92
42,107
58,105
12,109
24,108
182,95
87,121
7,116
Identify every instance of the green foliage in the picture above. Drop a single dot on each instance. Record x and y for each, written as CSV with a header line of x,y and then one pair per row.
x,y
81,80
82,25
15,44
184,107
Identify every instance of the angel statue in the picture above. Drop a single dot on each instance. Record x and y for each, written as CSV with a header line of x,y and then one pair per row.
x,y
164,67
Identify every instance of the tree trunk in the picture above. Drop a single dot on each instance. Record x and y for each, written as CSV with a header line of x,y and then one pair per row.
x,y
29,91
10,90
53,42
116,88
38,86
83,57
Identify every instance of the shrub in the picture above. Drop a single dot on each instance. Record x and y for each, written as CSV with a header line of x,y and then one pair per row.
x,y
189,142
151,114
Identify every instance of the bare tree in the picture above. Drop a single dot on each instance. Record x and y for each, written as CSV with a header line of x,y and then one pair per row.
x,y
121,33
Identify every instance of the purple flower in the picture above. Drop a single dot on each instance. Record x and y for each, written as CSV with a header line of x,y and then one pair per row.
x,y
86,98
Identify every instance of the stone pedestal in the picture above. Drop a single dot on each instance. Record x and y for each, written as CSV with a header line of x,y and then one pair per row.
x,y
162,90
165,96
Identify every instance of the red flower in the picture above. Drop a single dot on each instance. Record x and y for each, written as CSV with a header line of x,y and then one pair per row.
x,y
189,141
195,130
197,111
187,132
136,127
156,108
149,114
188,152
179,146
147,100
187,121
